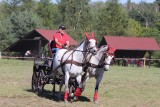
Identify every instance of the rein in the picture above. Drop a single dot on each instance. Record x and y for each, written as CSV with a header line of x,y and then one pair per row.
x,y
101,64
72,61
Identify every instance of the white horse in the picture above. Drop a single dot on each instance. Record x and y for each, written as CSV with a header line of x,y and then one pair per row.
x,y
71,62
97,65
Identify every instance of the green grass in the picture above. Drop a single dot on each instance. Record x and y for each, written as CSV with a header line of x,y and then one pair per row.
x,y
120,87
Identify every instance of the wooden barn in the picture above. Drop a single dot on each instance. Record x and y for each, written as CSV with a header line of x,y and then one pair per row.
x,y
35,41
131,47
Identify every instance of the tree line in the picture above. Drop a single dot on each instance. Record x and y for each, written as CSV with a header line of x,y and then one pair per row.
x,y
19,17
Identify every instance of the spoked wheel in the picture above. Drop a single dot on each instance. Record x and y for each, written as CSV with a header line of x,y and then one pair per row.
x,y
41,82
72,87
34,82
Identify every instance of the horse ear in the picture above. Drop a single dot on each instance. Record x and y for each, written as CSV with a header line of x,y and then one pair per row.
x,y
86,34
114,49
107,47
92,34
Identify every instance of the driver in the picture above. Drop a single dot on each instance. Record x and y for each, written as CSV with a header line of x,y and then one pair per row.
x,y
60,39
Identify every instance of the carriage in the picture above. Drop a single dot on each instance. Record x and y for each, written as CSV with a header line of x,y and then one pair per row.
x,y
42,69
67,62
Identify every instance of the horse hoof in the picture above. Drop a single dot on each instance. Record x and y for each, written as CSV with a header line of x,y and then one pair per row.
x,y
96,102
71,95
75,98
65,101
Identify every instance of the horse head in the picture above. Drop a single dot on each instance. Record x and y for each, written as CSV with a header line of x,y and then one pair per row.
x,y
108,56
91,43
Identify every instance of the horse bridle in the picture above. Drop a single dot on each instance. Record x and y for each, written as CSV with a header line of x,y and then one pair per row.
x,y
75,62
101,64
87,49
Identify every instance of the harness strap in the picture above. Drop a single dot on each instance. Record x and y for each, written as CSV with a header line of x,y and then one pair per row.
x,y
62,63
95,66
74,62
63,57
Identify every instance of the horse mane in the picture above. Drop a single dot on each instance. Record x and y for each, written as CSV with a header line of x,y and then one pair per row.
x,y
103,47
81,42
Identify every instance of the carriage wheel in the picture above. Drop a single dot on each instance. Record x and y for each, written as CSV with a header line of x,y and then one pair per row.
x,y
71,89
41,82
72,86
34,82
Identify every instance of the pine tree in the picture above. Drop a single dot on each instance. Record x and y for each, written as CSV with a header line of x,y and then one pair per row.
x,y
48,12
75,14
113,19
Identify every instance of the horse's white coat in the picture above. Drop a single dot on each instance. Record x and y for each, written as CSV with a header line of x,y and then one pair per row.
x,y
98,72
79,55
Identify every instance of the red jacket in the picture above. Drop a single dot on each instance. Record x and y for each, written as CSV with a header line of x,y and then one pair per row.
x,y
61,39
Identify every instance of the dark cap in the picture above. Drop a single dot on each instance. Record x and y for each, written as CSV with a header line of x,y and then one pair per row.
x,y
62,27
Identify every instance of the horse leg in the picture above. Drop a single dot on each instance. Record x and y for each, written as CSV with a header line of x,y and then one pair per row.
x,y
66,87
78,90
84,79
95,97
60,87
53,83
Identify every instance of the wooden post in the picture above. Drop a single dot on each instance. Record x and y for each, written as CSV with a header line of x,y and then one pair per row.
x,y
39,44
144,62
39,47
150,54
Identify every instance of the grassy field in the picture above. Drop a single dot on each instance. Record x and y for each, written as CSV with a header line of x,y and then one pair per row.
x,y
120,87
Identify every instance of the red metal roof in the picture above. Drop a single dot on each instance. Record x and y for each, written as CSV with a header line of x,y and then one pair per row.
x,y
132,43
48,34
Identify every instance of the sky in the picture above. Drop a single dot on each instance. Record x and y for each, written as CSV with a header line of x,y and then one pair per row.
x,y
124,1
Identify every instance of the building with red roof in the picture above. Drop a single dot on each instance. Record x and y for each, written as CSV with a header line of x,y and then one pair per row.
x,y
130,47
35,41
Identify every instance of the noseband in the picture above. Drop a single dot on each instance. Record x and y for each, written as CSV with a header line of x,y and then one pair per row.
x,y
102,61
88,49
107,54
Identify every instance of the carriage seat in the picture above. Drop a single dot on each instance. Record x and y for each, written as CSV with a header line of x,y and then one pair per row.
x,y
50,46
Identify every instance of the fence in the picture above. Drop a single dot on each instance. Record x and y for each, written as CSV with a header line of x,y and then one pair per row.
x,y
140,62
116,59
13,57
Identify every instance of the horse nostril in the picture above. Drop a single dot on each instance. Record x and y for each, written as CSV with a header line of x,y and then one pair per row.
x,y
94,51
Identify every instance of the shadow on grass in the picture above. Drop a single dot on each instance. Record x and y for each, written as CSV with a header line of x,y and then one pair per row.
x,y
48,95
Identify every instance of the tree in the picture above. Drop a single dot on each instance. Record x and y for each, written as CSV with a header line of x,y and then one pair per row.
x,y
24,22
95,12
151,32
11,5
113,19
134,28
3,14
6,37
158,21
144,12
75,14
28,5
48,12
